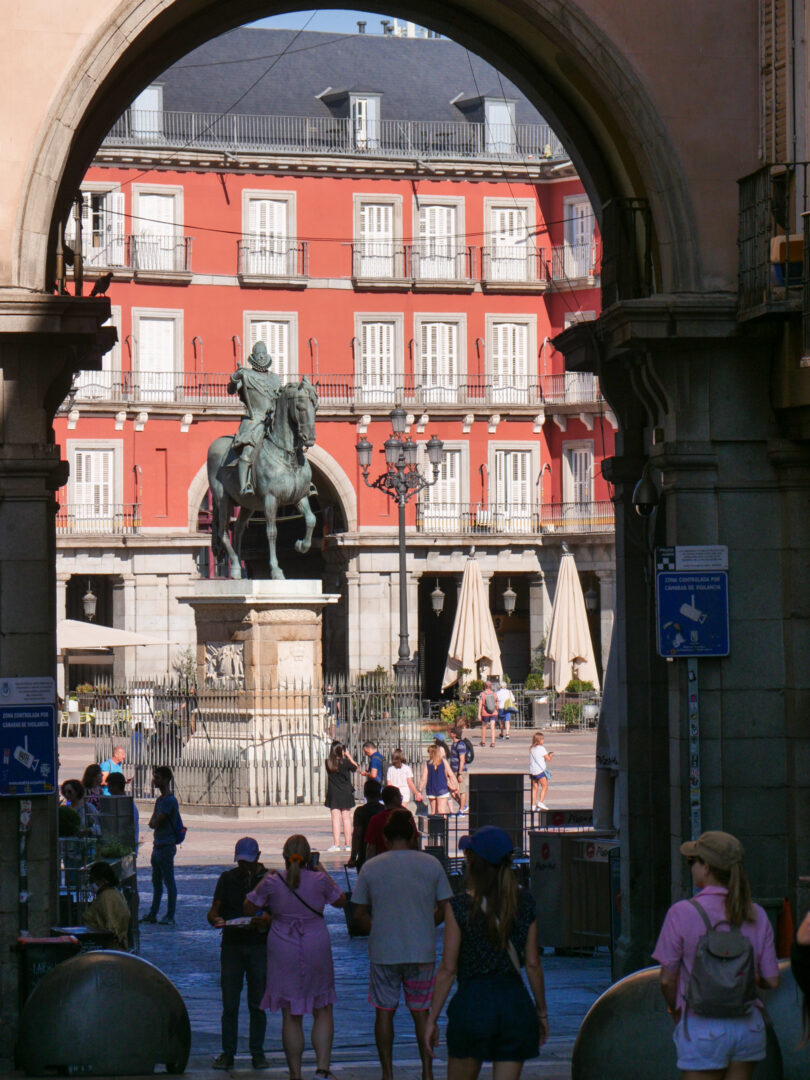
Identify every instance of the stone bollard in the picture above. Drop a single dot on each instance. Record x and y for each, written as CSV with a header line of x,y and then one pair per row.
x,y
104,1014
627,1035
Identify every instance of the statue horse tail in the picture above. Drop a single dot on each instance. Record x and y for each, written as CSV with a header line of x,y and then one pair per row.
x,y
217,547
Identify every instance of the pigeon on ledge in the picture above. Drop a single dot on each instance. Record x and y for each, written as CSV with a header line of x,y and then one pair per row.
x,y
101,285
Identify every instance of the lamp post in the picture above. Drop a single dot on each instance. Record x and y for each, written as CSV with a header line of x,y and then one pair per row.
x,y
401,481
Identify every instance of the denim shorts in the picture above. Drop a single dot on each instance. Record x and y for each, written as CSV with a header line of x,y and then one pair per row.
x,y
705,1042
492,1018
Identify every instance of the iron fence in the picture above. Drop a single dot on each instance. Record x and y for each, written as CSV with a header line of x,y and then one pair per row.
x,y
347,389
424,139
490,518
235,746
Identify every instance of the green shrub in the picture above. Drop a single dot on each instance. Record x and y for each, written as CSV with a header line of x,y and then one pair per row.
x,y
69,822
577,686
534,681
474,687
570,713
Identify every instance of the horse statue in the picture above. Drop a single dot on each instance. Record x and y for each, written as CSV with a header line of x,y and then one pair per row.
x,y
281,477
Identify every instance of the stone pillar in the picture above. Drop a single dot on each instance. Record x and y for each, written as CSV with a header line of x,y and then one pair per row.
x,y
537,612
43,340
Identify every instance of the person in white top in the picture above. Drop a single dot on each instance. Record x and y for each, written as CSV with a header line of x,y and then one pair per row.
x,y
503,695
539,758
400,775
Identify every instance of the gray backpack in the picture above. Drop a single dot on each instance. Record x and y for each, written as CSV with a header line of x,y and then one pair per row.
x,y
490,704
723,978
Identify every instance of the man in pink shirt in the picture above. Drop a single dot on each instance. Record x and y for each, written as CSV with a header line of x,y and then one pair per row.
x,y
706,1045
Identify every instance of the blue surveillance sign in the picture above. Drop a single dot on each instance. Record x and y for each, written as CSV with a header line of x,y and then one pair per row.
x,y
692,613
27,737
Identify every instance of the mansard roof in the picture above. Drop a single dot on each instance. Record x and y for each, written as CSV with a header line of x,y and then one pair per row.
x,y
268,71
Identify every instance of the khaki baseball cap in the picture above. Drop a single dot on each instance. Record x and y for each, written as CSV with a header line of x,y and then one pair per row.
x,y
719,849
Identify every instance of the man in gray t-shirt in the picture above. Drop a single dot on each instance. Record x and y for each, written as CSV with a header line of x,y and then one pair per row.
x,y
400,897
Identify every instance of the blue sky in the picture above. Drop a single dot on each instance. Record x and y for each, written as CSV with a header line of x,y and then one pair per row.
x,y
337,21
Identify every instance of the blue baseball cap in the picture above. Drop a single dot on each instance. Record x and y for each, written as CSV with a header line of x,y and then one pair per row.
x,y
247,850
489,842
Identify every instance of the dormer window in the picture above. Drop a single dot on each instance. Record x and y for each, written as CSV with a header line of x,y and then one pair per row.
x,y
499,123
146,113
365,113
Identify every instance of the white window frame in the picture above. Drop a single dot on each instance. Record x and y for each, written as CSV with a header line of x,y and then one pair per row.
x,y
492,131
160,390
450,390
371,395
104,519
511,268
288,317
262,255
501,514
567,448
456,245
116,245
520,393
164,257
445,516
98,385
368,266
155,127
369,138
578,253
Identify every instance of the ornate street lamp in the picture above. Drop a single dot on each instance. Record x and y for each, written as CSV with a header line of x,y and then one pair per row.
x,y
401,481
89,601
591,600
509,599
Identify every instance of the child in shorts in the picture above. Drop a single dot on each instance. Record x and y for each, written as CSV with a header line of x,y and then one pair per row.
x,y
539,759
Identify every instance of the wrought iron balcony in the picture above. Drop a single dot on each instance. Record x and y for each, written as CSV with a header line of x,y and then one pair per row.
x,y
158,255
771,239
441,261
574,263
570,388
515,267
380,263
416,139
265,260
98,519
533,519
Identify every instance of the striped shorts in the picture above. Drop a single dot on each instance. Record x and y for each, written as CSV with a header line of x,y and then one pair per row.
x,y
385,981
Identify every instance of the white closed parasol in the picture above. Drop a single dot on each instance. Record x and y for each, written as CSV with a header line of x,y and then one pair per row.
x,y
569,648
473,640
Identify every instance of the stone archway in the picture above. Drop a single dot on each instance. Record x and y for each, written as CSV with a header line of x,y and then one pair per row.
x,y
559,54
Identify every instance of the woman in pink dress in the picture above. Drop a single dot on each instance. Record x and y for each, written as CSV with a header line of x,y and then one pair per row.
x,y
300,975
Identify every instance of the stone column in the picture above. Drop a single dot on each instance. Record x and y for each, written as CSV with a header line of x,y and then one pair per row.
x,y
43,340
537,611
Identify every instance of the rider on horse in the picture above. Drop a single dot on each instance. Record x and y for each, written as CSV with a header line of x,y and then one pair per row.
x,y
258,388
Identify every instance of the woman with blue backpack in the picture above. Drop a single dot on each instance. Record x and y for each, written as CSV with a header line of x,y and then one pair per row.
x,y
715,951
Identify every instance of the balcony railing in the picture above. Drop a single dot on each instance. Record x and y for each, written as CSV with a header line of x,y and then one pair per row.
x,y
98,519
513,265
267,258
201,388
535,519
771,239
441,261
423,139
378,261
160,254
574,262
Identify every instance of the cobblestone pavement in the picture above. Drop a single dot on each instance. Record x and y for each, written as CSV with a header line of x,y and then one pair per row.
x,y
189,953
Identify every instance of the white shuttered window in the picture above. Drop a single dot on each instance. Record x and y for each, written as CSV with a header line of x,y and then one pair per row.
x,y
438,348
275,333
441,502
156,358
92,481
578,475
509,361
376,369
438,244
103,229
509,244
579,247
157,243
376,240
267,244
512,490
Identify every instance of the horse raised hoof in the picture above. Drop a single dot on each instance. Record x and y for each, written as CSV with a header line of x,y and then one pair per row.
x,y
302,546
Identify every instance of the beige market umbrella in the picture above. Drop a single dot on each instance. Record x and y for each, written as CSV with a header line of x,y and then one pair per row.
x,y
473,640
569,647
74,634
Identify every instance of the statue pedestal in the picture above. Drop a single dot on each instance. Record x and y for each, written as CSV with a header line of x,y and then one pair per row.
x,y
259,634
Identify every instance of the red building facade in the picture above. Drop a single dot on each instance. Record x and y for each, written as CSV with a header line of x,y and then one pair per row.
x,y
409,260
